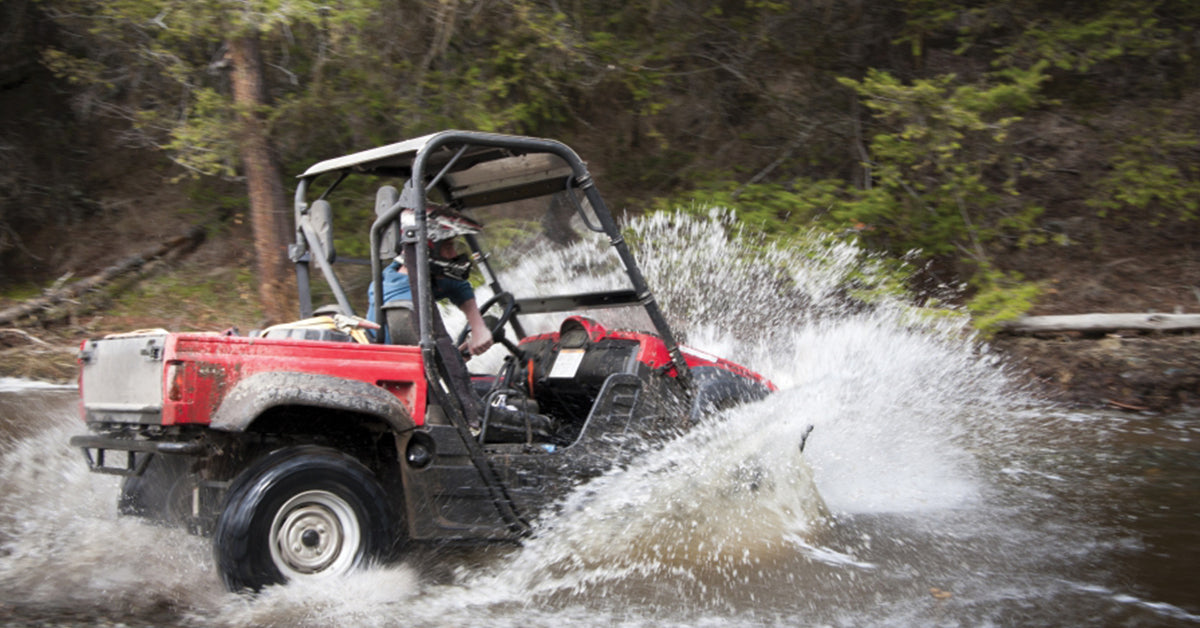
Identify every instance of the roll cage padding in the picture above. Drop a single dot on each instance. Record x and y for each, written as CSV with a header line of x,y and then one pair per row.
x,y
260,392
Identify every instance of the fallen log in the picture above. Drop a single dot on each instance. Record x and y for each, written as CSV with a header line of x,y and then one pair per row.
x,y
25,336
129,264
1102,323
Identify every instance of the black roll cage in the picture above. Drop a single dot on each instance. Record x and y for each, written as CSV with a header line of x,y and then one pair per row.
x,y
430,159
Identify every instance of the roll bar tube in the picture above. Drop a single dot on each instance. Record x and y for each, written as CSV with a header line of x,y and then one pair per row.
x,y
296,252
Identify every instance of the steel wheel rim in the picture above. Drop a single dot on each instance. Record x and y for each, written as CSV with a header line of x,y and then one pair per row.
x,y
315,533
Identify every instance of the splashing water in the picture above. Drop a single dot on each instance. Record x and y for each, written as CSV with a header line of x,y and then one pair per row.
x,y
885,394
930,490
63,547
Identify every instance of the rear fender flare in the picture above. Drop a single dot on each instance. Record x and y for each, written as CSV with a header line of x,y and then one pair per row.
x,y
260,392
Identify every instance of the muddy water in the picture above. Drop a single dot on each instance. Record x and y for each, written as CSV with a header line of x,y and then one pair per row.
x,y
932,490
1078,519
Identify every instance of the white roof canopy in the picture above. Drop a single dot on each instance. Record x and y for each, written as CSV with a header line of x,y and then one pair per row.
x,y
482,174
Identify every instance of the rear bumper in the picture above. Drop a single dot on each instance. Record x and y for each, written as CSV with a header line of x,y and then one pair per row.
x,y
131,455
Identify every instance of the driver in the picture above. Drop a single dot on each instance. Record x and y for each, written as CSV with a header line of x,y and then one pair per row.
x,y
449,272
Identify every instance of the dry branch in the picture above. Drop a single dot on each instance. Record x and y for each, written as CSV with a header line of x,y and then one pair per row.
x,y
1103,323
129,264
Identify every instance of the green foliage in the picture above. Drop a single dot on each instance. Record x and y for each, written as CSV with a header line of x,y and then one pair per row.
x,y
775,209
944,177
945,180
1116,30
1097,51
75,70
926,18
514,80
201,142
204,302
1156,174
1000,297
21,291
631,64
740,104
331,82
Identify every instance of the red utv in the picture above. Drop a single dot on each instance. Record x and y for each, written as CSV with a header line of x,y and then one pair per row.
x,y
309,449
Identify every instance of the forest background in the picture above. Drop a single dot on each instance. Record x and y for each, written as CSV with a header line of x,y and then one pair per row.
x,y
1044,154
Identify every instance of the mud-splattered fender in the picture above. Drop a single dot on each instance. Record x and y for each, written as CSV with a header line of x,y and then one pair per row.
x,y
262,391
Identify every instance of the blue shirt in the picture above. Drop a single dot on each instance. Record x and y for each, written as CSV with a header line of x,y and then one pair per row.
x,y
396,287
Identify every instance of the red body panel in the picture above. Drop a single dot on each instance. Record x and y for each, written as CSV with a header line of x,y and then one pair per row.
x,y
208,366
653,351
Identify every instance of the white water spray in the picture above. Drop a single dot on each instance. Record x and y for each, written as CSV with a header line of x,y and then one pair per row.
x,y
892,395
63,546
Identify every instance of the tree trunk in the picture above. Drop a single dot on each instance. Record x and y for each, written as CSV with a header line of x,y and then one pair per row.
x,y
270,213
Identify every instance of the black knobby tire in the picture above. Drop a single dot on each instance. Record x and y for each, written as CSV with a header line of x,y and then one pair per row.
x,y
162,493
717,390
300,512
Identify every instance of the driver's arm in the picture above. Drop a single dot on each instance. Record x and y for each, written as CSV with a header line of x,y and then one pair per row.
x,y
481,337
462,295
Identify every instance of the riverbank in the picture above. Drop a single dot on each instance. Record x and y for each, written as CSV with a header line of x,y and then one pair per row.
x,y
1136,373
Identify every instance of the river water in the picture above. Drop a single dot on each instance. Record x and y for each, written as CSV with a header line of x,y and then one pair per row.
x,y
933,490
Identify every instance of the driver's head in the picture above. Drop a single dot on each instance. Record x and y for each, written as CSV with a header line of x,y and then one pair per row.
x,y
447,249
446,259
444,227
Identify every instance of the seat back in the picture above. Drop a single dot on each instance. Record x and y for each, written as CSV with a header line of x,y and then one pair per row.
x,y
401,323
320,220
385,198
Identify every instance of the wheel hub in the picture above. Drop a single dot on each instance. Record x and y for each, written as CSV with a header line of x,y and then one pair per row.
x,y
310,538
315,532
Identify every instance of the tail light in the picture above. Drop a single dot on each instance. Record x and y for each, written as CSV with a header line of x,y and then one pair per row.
x,y
176,370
